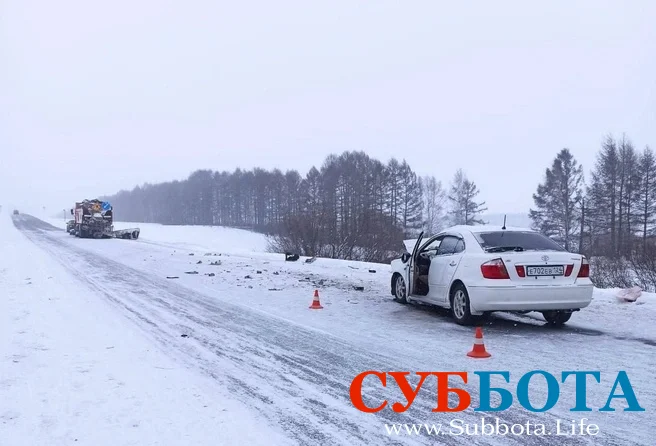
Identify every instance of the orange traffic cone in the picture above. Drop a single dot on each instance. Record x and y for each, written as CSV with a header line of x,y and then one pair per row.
x,y
316,305
479,348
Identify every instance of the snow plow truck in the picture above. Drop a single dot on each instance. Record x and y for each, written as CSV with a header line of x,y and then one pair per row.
x,y
95,219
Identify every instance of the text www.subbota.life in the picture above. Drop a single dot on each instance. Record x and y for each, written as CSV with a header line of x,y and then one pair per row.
x,y
486,427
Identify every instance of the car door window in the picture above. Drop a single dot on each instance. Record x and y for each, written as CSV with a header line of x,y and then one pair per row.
x,y
448,246
460,247
432,246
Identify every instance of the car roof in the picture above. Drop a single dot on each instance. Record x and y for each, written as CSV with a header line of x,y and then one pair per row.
x,y
478,229
465,230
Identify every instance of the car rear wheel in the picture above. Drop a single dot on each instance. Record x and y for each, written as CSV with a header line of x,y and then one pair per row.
x,y
400,290
557,318
460,308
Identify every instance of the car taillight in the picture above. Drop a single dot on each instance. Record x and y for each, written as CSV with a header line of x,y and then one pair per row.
x,y
568,270
521,272
585,268
494,269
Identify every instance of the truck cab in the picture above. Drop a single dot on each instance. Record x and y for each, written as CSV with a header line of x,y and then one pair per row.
x,y
93,219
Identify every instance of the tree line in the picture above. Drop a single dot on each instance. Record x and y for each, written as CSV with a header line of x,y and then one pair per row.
x,y
351,207
612,214
356,207
610,218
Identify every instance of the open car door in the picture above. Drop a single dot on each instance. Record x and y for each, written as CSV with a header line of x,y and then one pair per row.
x,y
410,267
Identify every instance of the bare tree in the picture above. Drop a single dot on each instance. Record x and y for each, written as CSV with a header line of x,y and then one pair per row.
x,y
435,204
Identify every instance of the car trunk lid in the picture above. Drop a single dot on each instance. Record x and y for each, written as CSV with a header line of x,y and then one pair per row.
x,y
542,267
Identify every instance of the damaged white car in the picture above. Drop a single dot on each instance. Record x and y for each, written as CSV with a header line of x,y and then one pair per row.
x,y
474,270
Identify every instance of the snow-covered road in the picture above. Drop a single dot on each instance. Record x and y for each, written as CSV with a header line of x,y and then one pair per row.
x,y
237,357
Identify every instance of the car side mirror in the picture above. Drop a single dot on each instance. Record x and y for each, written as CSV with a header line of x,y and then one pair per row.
x,y
405,257
71,211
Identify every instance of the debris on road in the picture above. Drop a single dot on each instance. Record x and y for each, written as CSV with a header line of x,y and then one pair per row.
x,y
629,294
289,257
191,272
172,277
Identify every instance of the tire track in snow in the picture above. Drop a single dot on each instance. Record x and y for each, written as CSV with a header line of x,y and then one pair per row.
x,y
294,377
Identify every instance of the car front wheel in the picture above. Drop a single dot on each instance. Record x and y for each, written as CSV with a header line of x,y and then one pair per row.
x,y
400,290
460,308
557,318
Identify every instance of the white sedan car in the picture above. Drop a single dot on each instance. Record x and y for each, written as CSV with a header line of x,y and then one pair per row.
x,y
474,270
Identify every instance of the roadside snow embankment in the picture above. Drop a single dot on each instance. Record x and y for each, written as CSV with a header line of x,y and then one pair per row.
x,y
193,237
609,311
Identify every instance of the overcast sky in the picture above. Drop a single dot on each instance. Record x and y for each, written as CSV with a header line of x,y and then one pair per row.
x,y
100,96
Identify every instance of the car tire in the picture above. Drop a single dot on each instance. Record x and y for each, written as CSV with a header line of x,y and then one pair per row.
x,y
557,318
400,290
460,307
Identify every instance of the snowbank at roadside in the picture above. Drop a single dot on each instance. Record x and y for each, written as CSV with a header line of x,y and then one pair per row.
x,y
194,237
609,313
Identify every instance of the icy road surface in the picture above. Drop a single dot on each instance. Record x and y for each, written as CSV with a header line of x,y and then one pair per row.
x,y
245,335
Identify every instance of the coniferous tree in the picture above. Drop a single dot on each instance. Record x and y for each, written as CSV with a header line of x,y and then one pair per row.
x,y
558,201
411,201
464,208
629,196
647,194
602,199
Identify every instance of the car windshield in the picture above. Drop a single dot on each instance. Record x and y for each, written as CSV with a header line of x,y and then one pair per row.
x,y
516,241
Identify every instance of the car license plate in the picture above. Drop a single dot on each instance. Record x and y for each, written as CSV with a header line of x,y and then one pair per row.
x,y
557,270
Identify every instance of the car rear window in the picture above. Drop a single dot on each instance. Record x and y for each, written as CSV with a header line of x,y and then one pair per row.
x,y
524,239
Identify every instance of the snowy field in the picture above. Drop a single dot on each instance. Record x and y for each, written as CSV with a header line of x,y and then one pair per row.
x,y
123,342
